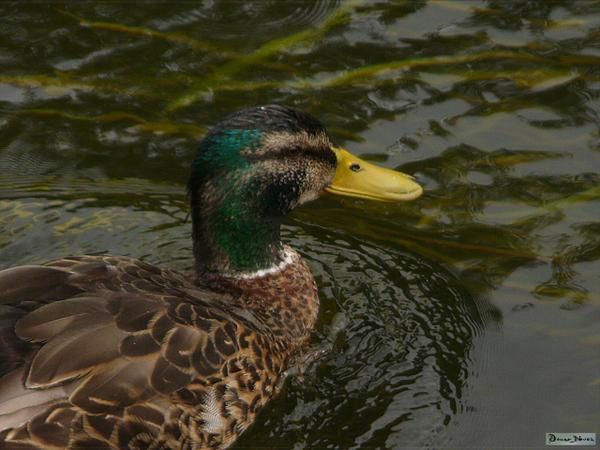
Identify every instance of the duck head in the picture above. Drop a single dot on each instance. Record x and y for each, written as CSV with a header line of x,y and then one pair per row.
x,y
258,164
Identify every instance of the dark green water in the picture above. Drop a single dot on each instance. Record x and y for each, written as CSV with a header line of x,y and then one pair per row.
x,y
467,319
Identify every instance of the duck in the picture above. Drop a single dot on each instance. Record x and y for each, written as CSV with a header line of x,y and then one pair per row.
x,y
112,352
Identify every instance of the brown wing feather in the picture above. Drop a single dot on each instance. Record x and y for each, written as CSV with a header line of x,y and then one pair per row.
x,y
34,283
51,319
13,351
21,290
18,404
113,355
114,386
79,347
115,334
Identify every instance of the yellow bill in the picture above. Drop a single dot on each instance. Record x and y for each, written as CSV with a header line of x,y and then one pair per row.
x,y
357,178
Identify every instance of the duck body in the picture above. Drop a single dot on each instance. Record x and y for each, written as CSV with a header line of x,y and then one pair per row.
x,y
128,355
111,352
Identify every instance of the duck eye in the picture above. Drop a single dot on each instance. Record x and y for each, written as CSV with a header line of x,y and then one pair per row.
x,y
354,167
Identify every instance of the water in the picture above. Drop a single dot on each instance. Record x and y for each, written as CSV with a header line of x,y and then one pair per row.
x,y
469,318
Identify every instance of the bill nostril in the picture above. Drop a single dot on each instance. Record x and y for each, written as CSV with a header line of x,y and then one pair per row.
x,y
354,167
418,177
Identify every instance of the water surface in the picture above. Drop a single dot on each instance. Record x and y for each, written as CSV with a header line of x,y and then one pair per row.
x,y
467,319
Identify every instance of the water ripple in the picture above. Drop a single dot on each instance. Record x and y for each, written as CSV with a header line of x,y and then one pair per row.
x,y
399,365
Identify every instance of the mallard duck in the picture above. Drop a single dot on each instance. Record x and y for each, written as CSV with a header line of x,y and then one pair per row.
x,y
113,352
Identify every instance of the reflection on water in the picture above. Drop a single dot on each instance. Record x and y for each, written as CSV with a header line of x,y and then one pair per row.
x,y
473,311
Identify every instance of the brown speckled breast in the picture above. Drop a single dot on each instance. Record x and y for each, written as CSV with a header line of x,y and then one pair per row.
x,y
286,300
